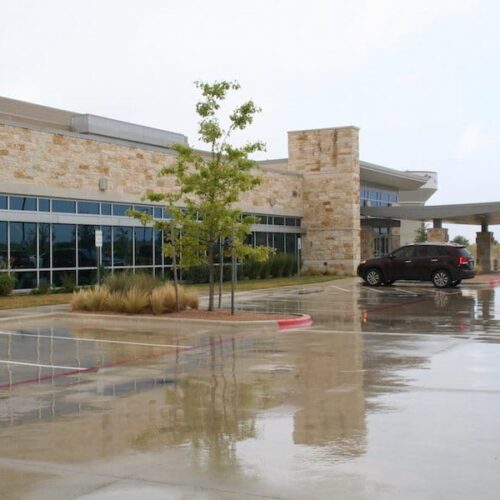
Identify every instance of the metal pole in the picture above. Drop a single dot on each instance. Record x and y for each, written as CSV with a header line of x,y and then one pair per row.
x,y
299,248
233,274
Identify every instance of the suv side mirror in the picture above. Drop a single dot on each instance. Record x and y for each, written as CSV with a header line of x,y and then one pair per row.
x,y
391,256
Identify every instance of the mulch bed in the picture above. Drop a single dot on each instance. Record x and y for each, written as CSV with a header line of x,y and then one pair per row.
x,y
225,315
217,315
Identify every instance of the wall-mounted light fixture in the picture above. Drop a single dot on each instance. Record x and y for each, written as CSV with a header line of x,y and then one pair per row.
x,y
103,184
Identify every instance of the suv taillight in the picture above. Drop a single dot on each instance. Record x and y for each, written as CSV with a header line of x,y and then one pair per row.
x,y
463,261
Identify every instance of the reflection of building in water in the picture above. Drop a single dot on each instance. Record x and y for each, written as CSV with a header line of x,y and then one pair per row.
x,y
329,380
486,304
329,390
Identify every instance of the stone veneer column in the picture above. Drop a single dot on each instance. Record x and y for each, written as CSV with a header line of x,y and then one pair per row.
x,y
329,161
484,241
437,235
367,242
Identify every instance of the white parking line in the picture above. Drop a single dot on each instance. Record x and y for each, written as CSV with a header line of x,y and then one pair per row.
x,y
38,365
339,288
84,339
405,291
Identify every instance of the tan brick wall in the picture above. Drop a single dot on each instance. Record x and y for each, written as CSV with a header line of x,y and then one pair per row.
x,y
42,160
329,160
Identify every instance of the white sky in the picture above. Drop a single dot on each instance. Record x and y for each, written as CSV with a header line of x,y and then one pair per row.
x,y
420,78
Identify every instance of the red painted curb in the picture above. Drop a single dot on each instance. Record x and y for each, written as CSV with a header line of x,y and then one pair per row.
x,y
302,320
494,283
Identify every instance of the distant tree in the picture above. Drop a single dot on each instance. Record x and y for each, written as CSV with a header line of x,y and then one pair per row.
x,y
461,240
421,233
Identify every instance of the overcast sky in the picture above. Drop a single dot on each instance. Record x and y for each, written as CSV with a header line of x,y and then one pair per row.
x,y
420,78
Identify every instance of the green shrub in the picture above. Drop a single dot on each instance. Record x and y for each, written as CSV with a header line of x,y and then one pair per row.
x,y
265,269
290,268
7,284
68,284
277,265
197,274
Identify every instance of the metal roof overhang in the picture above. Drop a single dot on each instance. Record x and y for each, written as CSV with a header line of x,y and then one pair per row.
x,y
376,174
469,213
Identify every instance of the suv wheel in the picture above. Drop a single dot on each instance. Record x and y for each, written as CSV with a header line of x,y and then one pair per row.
x,y
441,279
373,277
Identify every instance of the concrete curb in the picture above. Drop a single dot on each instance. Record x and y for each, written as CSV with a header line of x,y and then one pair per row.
x,y
119,320
300,321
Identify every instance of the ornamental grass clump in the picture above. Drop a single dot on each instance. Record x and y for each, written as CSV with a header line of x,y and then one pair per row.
x,y
136,299
157,300
95,299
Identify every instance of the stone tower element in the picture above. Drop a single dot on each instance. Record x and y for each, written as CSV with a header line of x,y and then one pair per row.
x,y
329,162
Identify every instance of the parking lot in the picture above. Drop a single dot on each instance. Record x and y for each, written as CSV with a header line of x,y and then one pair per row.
x,y
392,393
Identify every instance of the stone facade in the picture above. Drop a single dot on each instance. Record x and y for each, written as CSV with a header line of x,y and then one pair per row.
x,y
62,164
329,161
320,181
437,235
367,242
484,242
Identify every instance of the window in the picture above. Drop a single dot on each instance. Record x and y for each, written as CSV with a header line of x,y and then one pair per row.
x,y
279,221
107,255
88,207
105,208
3,245
23,245
260,239
22,203
143,246
44,245
279,242
291,244
158,247
158,212
122,246
87,253
121,210
25,280
64,206
403,253
3,202
143,209
44,205
63,245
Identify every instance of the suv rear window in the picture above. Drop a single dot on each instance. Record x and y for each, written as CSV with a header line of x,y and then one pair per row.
x,y
464,252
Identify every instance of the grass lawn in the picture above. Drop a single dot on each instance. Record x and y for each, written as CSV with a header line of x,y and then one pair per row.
x,y
16,301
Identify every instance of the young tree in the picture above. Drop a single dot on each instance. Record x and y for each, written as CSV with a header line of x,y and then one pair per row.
x,y
461,240
421,233
211,183
172,230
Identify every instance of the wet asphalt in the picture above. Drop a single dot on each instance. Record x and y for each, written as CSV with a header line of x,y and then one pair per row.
x,y
393,393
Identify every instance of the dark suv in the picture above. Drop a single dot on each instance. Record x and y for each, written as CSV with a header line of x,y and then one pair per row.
x,y
445,264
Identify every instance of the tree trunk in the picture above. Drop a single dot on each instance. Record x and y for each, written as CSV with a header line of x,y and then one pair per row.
x,y
211,277
174,269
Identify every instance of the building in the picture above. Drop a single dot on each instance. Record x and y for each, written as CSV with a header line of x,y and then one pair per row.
x,y
64,175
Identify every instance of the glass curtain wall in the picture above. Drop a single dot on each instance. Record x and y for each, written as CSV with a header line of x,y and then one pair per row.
x,y
39,254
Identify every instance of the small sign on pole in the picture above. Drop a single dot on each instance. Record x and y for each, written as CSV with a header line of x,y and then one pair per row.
x,y
98,245
98,238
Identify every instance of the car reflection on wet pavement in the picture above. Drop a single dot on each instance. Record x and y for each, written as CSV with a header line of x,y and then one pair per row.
x,y
392,393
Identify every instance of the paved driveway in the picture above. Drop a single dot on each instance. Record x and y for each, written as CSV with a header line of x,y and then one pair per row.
x,y
393,393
